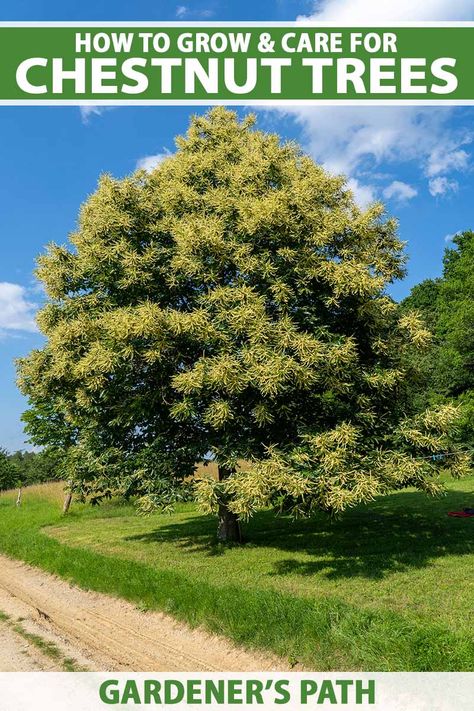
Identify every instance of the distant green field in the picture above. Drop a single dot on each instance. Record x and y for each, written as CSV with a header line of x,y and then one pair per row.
x,y
388,587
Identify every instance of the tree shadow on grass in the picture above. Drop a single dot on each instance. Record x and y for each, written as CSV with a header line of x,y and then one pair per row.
x,y
397,532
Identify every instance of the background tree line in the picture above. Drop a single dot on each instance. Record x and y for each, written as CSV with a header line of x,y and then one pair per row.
x,y
23,468
447,307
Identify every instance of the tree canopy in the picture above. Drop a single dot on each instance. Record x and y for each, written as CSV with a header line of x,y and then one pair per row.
x,y
234,301
447,305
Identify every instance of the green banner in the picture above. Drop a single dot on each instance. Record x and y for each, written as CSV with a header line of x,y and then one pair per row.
x,y
150,63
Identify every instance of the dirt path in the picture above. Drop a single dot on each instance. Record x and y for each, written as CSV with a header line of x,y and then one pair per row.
x,y
104,633
16,654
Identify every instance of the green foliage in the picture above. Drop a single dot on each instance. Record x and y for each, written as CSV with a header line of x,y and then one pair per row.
x,y
337,469
37,467
46,425
9,473
24,468
424,297
447,305
232,301
455,327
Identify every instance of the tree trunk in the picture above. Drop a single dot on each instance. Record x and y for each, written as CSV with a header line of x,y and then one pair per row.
x,y
67,502
228,530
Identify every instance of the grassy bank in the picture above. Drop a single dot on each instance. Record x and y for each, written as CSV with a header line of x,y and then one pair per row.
x,y
389,587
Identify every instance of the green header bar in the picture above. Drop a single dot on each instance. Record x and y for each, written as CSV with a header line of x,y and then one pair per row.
x,y
170,63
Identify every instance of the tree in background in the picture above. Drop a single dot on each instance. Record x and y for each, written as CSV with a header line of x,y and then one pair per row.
x,y
233,301
25,468
423,300
456,317
36,467
447,305
9,474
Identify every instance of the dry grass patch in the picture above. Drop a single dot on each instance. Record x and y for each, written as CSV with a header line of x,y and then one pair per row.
x,y
52,491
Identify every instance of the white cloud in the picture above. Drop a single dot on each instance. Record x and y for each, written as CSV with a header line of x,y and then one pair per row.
x,y
16,311
358,11
183,11
356,140
442,185
148,163
363,194
448,158
398,190
89,110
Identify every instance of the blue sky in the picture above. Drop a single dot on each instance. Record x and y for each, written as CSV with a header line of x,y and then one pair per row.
x,y
418,160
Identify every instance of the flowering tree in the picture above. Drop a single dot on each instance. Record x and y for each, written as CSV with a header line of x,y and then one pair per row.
x,y
233,301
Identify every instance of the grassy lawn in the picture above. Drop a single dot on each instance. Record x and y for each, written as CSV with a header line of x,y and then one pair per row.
x,y
388,587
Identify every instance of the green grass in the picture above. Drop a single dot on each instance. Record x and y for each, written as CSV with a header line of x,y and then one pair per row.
x,y
388,587
48,648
